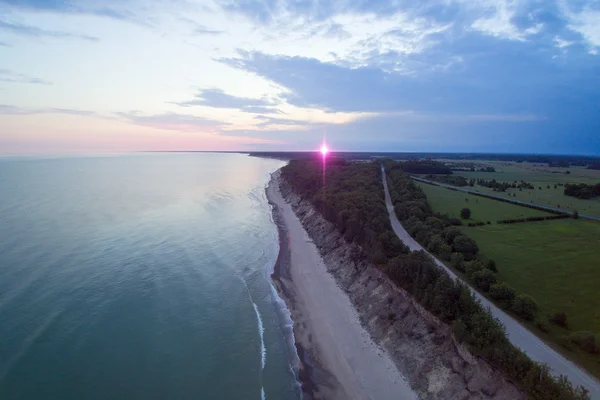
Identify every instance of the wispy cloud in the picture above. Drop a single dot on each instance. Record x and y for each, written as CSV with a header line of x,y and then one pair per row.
x,y
9,76
202,30
114,10
217,98
173,121
33,31
14,110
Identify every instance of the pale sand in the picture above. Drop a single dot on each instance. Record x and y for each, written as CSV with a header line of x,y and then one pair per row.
x,y
339,358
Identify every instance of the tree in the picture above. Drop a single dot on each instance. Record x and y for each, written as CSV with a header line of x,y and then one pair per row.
x,y
465,213
465,245
525,306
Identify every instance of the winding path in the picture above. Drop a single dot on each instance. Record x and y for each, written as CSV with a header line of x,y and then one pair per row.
x,y
535,348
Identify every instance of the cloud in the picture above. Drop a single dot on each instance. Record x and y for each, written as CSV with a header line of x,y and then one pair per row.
x,y
202,30
173,121
28,30
217,98
4,44
9,76
78,7
14,110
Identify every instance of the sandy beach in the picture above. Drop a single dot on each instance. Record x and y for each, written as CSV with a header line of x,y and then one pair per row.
x,y
339,359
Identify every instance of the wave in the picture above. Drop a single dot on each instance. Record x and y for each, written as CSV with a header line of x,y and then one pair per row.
x,y
261,332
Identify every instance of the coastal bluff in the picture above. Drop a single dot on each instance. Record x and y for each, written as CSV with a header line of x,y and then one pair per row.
x,y
421,346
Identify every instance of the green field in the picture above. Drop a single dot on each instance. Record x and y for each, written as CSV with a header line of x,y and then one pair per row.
x,y
540,175
556,262
482,209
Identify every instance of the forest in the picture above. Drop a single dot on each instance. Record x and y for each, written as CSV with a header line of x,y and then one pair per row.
x,y
351,197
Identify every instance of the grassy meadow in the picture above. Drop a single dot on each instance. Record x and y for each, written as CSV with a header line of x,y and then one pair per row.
x,y
450,202
540,175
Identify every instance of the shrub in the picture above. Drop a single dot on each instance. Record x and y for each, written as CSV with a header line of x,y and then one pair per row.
x,y
465,213
525,306
560,319
455,221
491,265
458,261
483,279
586,341
472,267
542,325
503,293
445,252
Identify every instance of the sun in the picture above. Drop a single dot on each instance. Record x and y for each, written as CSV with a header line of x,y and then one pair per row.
x,y
324,150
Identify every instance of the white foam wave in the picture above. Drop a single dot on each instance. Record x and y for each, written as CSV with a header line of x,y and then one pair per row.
x,y
261,331
262,393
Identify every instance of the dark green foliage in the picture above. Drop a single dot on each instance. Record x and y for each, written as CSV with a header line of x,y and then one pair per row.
x,y
455,221
582,190
466,245
351,197
587,341
491,265
465,213
531,219
503,293
458,261
560,319
542,325
525,306
455,180
483,279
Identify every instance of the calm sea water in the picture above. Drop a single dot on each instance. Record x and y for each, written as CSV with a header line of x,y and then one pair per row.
x,y
140,277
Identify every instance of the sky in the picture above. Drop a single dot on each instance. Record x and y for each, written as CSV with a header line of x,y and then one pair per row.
x,y
365,75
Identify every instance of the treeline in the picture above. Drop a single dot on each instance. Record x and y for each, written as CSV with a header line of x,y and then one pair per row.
x,y
501,186
582,190
455,180
351,197
531,219
423,167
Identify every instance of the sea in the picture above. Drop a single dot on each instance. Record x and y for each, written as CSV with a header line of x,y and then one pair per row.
x,y
141,276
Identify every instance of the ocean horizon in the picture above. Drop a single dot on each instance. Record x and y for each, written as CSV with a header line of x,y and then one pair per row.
x,y
141,276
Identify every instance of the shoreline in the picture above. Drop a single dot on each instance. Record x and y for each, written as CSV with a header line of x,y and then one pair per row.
x,y
338,359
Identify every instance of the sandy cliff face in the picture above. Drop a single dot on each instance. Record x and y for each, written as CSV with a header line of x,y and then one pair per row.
x,y
421,346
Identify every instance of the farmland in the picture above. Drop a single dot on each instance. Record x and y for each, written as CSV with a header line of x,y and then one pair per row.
x,y
482,209
556,262
544,179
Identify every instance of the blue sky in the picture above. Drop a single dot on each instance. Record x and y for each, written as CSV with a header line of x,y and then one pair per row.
x,y
442,75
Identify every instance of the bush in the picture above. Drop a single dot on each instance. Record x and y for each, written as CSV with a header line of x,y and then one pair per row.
x,y
483,279
525,306
586,341
455,221
503,293
491,265
560,319
472,267
458,261
465,213
542,325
